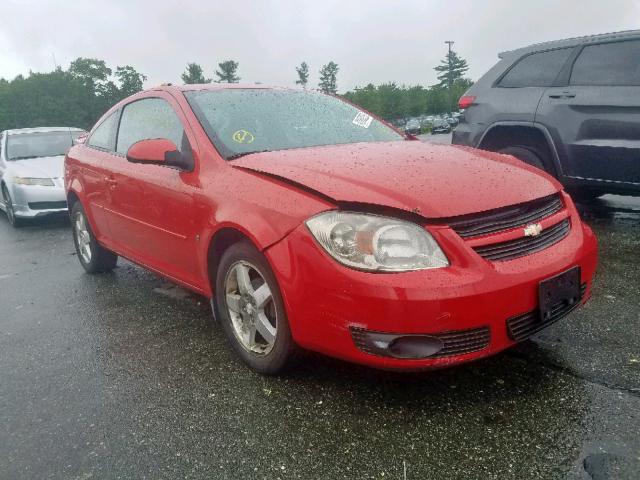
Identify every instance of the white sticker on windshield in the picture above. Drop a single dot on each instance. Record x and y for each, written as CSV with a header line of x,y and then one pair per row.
x,y
363,120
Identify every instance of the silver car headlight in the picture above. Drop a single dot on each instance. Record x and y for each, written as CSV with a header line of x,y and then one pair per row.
x,y
44,182
375,243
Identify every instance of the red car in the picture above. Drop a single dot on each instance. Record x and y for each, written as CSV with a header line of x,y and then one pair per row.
x,y
312,225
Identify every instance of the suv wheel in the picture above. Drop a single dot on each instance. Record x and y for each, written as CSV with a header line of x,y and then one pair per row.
x,y
584,195
526,155
93,257
251,309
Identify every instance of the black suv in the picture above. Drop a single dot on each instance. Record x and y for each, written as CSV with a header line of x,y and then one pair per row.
x,y
570,107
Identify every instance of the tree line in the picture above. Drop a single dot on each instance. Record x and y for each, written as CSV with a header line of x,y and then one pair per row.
x,y
79,95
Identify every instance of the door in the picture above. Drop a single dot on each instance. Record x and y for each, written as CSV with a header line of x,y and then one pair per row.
x,y
97,161
595,118
153,213
515,95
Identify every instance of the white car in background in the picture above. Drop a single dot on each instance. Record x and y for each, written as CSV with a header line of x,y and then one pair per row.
x,y
32,171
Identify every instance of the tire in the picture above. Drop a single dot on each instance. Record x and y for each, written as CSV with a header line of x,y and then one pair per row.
x,y
93,257
8,207
256,324
584,195
526,155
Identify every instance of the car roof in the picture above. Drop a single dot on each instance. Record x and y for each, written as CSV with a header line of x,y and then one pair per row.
x,y
575,41
220,86
15,131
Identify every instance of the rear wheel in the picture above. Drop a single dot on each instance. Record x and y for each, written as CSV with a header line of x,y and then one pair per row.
x,y
8,207
252,311
93,257
526,155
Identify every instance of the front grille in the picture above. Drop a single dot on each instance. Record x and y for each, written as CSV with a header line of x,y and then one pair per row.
x,y
523,326
457,342
505,218
47,205
463,341
525,245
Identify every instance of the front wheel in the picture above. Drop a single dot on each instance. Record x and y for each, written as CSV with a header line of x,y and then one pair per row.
x,y
93,257
252,311
8,208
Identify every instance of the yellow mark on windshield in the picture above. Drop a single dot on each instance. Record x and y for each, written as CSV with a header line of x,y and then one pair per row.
x,y
243,136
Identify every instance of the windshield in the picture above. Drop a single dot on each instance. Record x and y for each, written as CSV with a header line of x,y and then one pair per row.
x,y
39,144
241,121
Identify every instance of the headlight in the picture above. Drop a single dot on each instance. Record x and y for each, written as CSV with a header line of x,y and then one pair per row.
x,y
45,182
371,242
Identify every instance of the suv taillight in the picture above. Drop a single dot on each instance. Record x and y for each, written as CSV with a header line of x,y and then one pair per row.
x,y
466,101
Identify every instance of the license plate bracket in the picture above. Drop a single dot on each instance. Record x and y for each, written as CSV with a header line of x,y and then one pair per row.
x,y
559,292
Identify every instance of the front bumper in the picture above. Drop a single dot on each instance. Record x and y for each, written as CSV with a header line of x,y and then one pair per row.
x,y
327,302
30,201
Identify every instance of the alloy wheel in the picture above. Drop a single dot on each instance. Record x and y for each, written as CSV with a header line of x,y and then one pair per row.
x,y
250,304
83,238
8,207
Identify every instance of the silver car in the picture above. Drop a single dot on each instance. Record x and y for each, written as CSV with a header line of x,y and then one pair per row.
x,y
32,171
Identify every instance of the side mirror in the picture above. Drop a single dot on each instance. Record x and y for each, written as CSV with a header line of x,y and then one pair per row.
x,y
159,151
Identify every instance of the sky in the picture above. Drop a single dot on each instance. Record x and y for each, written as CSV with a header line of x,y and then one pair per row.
x,y
373,41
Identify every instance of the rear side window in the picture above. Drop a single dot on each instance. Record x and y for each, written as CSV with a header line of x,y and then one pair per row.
x,y
608,64
103,136
536,70
148,118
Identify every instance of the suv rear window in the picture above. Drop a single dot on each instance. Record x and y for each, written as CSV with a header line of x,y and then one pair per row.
x,y
608,64
536,70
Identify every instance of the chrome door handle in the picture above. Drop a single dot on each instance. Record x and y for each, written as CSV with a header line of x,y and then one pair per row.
x,y
562,95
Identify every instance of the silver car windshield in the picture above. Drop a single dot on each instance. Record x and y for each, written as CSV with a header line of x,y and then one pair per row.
x,y
38,144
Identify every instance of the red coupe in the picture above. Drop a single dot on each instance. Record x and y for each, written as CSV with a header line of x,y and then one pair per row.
x,y
313,225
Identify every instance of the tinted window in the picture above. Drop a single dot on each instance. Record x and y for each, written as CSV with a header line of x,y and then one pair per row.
x,y
148,118
536,70
608,64
239,121
103,136
39,144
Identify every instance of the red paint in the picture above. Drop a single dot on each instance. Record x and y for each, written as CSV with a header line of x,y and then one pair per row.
x,y
153,150
166,219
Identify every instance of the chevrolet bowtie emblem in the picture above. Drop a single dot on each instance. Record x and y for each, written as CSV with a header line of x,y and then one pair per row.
x,y
532,230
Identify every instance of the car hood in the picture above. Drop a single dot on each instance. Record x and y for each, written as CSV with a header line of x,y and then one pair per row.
x,y
434,181
41,167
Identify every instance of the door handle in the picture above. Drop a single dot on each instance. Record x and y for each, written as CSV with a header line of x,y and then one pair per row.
x,y
562,95
110,181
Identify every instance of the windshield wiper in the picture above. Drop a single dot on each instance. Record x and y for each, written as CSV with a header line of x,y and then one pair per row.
x,y
23,158
242,154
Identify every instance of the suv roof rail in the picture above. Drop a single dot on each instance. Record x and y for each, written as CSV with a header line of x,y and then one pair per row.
x,y
572,41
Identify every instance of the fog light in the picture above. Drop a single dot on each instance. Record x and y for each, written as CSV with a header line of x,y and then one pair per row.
x,y
415,346
396,345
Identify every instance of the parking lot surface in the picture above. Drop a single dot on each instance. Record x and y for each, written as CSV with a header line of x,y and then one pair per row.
x,y
120,376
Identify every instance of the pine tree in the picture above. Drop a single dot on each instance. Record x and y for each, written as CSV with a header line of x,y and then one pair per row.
x,y
227,72
303,74
452,68
328,74
194,74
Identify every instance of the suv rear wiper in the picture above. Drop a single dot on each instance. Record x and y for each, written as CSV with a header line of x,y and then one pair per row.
x,y
242,154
